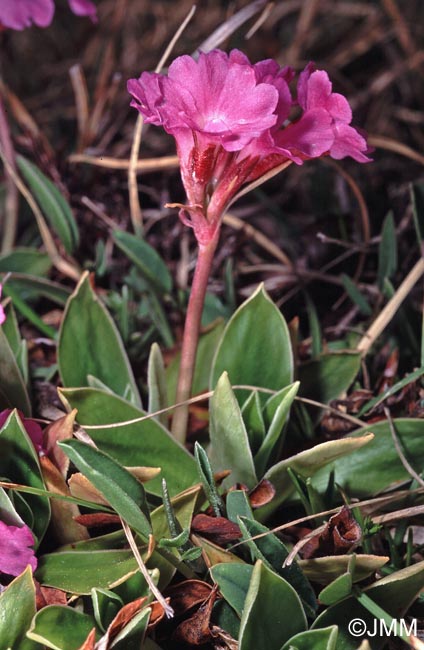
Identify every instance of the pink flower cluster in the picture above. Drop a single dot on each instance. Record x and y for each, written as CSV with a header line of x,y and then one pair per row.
x,y
15,551
234,121
18,14
16,541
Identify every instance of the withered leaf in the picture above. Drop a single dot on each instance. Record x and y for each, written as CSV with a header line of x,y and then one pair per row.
x,y
262,493
341,533
187,594
217,529
196,630
97,519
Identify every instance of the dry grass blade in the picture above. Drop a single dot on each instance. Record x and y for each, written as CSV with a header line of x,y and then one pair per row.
x,y
82,103
381,142
258,237
386,315
407,465
229,27
135,207
155,591
303,26
11,205
146,165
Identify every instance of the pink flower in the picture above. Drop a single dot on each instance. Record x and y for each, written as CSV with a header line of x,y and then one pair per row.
x,y
15,554
232,122
2,314
32,428
18,14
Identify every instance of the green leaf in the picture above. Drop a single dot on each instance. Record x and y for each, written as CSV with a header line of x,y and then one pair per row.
x,y
89,344
61,627
314,327
282,403
19,463
270,550
307,463
255,348
146,259
131,636
324,379
13,392
356,296
208,480
144,443
233,580
325,639
394,594
106,604
25,260
80,571
29,286
205,352
340,587
254,421
238,505
265,624
378,461
124,493
156,380
230,444
17,608
387,251
417,199
53,205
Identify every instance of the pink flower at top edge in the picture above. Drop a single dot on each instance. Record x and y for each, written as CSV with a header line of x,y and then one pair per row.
x,y
233,122
15,551
18,14
32,428
2,314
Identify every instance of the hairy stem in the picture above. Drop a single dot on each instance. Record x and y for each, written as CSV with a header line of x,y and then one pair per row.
x,y
191,335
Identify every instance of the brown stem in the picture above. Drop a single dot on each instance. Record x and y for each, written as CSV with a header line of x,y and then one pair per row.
x,y
191,335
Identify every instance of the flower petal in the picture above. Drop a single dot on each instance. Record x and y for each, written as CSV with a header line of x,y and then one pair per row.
x,y
15,554
18,14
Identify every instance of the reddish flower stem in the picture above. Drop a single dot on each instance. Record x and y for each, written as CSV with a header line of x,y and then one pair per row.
x,y
191,335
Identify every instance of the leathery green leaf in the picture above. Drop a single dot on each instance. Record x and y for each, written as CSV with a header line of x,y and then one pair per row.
x,y
13,392
394,594
274,433
145,443
230,444
80,571
146,259
255,348
307,463
90,344
124,493
325,639
233,580
325,378
17,608
273,612
271,550
53,205
60,627
19,463
379,460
